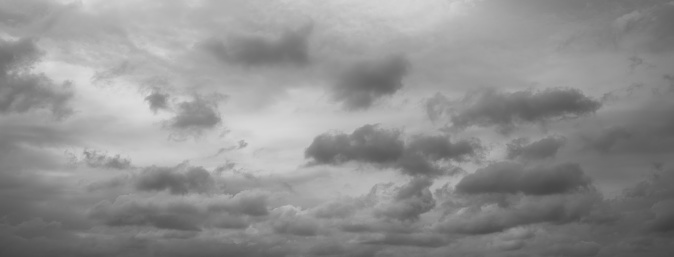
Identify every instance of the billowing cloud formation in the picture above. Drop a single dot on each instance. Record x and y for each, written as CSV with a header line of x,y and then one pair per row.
x,y
510,177
292,47
181,179
492,108
96,159
157,101
410,201
364,83
557,209
193,117
374,145
545,148
22,91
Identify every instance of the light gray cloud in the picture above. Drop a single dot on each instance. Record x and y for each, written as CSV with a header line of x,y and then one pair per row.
x,y
505,110
542,149
509,177
96,159
362,85
410,201
375,145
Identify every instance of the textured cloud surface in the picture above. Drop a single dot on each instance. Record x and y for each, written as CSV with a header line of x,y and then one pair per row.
x,y
356,128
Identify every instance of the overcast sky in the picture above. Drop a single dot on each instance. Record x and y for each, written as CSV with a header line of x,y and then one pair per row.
x,y
337,128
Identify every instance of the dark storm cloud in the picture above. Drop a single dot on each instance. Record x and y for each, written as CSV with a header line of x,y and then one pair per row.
x,y
22,91
292,47
176,180
508,177
374,145
492,108
96,159
541,149
555,209
410,201
157,101
193,117
363,84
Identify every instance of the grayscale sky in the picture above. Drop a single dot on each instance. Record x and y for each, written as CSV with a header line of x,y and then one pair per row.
x,y
296,128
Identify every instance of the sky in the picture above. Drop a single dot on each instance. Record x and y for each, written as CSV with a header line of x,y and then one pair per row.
x,y
513,128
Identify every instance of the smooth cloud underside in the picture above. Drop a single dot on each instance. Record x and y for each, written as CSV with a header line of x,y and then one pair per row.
x,y
503,110
511,177
360,86
371,144
291,47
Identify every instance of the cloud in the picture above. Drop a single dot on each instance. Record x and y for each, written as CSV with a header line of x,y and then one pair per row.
x,y
418,240
607,139
193,117
508,177
362,85
181,212
410,201
374,145
578,249
289,220
157,101
95,159
22,91
555,209
492,108
542,149
292,47
181,179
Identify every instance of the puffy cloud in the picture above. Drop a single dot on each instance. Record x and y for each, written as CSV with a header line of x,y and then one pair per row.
x,y
504,110
508,177
292,47
290,220
22,91
374,145
363,84
96,159
193,117
181,179
157,101
544,148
